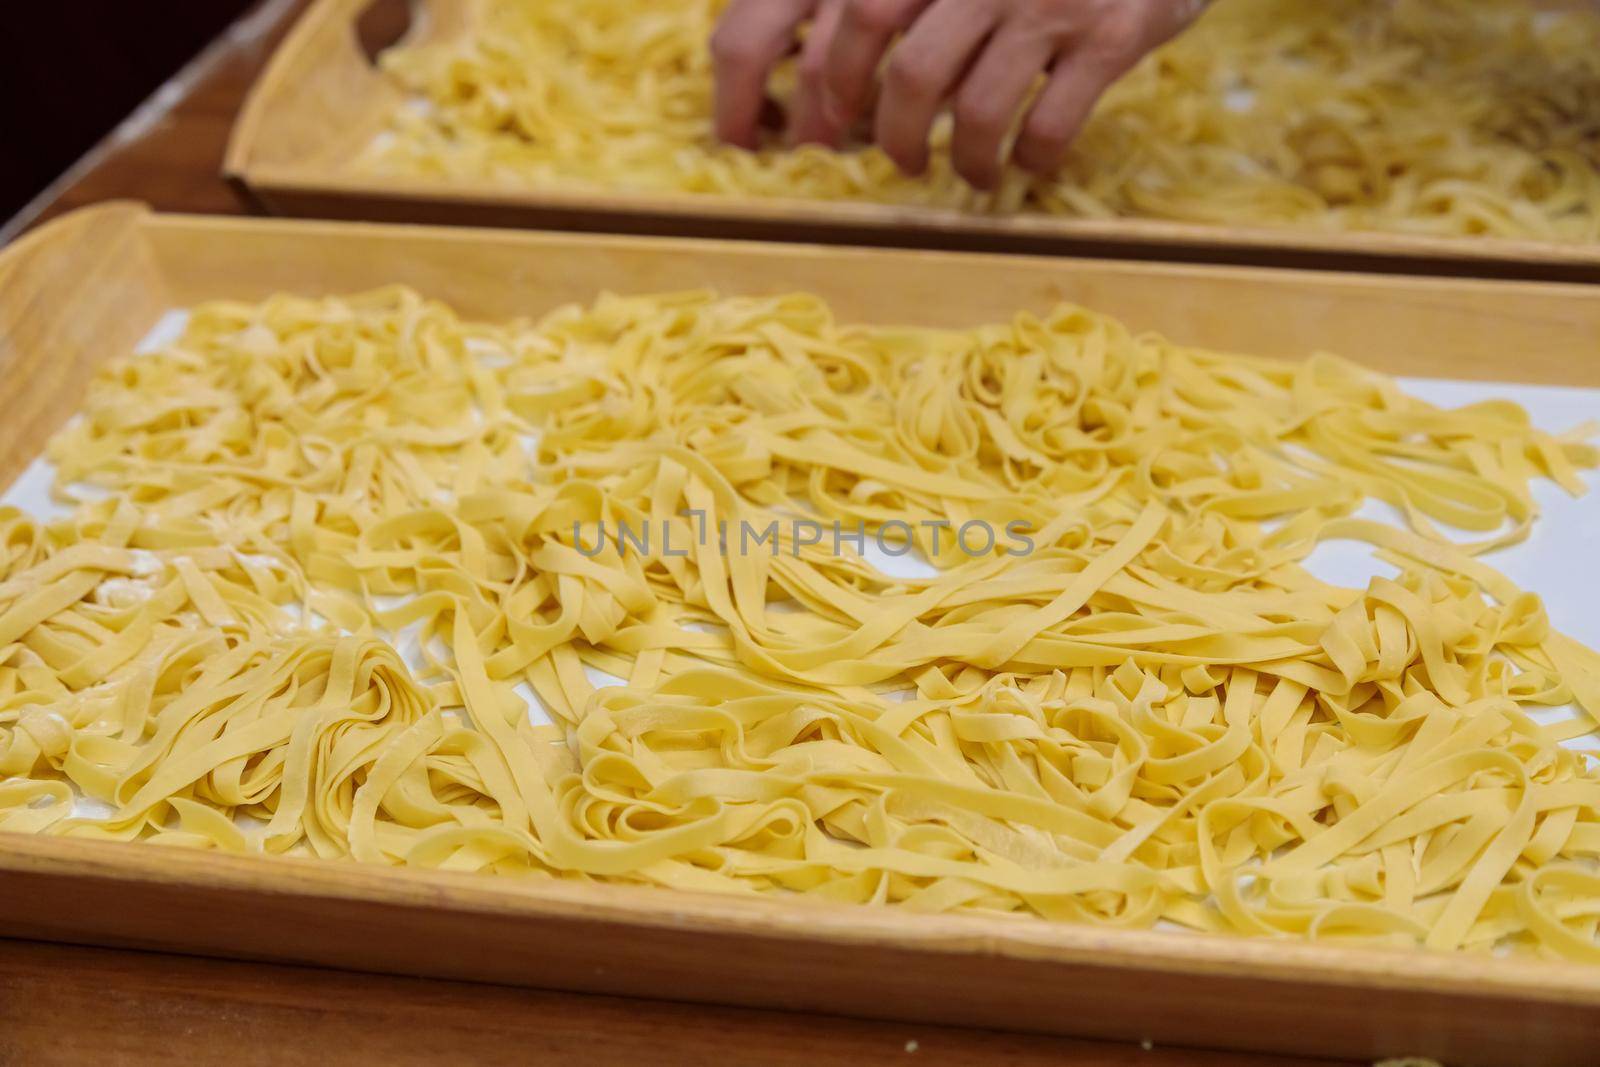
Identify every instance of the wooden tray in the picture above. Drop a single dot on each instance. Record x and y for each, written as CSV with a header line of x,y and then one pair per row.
x,y
90,285
321,101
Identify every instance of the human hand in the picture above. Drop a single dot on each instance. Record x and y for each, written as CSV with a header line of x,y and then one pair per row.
x,y
982,57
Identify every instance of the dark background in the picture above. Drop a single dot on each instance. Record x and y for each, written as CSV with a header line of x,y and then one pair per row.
x,y
71,70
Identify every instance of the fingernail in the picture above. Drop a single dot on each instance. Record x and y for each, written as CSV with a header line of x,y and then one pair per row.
x,y
974,174
813,128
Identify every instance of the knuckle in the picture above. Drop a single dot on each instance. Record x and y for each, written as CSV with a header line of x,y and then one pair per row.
x,y
882,16
906,76
1049,130
976,114
1120,33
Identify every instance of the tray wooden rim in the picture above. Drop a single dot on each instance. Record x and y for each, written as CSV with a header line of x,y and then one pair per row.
x,y
809,921
326,30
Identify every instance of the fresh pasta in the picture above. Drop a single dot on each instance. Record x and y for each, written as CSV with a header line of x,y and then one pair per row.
x,y
1442,117
322,553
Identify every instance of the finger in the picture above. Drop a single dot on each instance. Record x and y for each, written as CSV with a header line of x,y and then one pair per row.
x,y
1063,106
1077,81
750,39
989,100
813,121
865,29
924,68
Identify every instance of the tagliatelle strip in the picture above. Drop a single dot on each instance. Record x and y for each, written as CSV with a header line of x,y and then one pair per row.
x,y
1446,117
1120,698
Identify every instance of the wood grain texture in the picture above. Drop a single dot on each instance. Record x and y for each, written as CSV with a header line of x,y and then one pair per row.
x,y
1529,332
47,357
321,101
791,954
62,1005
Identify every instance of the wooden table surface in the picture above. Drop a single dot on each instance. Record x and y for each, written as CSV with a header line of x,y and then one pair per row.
x,y
63,1004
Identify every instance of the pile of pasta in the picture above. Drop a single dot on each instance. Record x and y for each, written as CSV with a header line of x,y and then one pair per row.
x,y
325,555
1443,117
